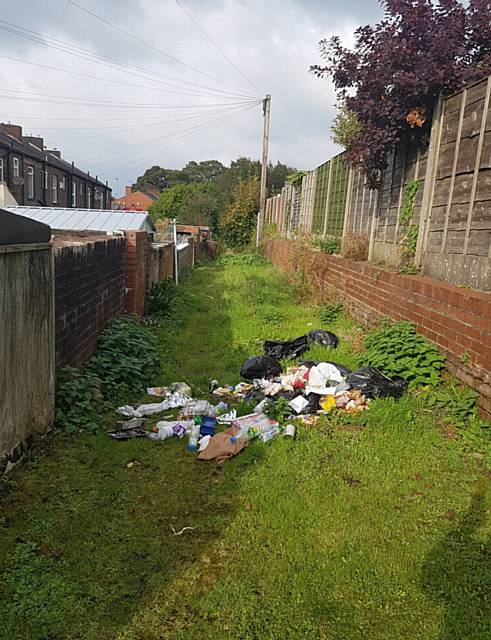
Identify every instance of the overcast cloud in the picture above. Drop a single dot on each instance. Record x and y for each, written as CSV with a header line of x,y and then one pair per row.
x,y
273,43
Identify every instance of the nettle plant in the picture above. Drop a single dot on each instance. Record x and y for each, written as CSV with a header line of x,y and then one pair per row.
x,y
388,84
396,349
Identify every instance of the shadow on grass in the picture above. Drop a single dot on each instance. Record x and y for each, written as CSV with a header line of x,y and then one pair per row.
x,y
86,541
457,573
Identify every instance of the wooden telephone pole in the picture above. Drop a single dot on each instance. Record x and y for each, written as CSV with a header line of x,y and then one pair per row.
x,y
264,169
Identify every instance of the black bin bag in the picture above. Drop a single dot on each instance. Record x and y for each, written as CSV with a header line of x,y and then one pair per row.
x,y
375,384
324,338
260,367
289,349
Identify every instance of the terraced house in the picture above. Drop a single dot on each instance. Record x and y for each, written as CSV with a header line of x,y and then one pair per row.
x,y
39,176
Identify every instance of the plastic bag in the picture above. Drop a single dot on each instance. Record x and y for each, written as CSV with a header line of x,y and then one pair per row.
x,y
290,349
324,338
375,384
260,367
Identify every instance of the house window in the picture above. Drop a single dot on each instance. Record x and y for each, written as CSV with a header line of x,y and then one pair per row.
x,y
62,184
16,167
1,169
30,183
89,198
74,193
55,189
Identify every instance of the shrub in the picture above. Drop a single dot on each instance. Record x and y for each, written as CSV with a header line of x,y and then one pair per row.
x,y
355,246
239,220
161,298
126,355
79,400
330,246
125,362
331,312
396,349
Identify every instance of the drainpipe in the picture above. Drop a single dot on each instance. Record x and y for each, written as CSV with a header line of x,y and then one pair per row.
x,y
176,262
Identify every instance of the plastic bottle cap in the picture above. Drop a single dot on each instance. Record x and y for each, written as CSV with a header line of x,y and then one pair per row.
x,y
233,439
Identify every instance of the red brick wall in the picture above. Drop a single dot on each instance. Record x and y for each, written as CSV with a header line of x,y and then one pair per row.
x,y
457,320
137,257
89,290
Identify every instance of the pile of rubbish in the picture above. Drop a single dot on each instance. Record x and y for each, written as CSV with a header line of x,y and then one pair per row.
x,y
310,389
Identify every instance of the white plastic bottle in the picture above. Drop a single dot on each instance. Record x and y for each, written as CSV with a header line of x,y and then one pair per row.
x,y
193,437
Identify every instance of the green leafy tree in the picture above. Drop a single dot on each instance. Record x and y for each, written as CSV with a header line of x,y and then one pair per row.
x,y
205,171
239,219
197,204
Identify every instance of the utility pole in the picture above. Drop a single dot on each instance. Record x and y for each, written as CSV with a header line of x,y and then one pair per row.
x,y
264,170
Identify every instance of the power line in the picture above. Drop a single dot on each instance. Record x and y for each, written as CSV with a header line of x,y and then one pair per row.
x,y
68,100
146,44
138,144
185,140
119,82
103,60
217,47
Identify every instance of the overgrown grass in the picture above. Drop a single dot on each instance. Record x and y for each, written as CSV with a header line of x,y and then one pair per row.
x,y
370,527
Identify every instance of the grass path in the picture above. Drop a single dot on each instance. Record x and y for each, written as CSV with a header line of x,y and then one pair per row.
x,y
349,532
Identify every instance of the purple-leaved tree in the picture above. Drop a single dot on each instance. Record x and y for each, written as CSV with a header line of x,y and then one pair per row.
x,y
398,68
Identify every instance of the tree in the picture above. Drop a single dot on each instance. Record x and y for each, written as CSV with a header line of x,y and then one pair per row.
x,y
205,171
196,204
398,68
158,179
239,219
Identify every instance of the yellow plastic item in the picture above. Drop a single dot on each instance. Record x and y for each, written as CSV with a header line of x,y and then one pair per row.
x,y
328,403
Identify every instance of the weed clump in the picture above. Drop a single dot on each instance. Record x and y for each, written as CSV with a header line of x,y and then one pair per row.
x,y
397,350
124,363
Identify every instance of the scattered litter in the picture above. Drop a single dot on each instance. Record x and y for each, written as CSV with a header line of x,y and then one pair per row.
x,y
298,404
272,433
179,431
289,431
328,403
323,379
286,349
227,418
221,448
157,391
198,408
179,533
127,434
172,401
251,426
135,463
214,385
203,443
375,384
134,423
194,436
260,367
323,338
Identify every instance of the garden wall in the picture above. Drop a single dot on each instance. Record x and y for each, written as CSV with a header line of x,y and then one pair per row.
x,y
27,363
457,320
89,291
138,248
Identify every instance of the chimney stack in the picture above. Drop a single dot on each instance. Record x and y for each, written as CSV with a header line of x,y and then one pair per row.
x,y
13,130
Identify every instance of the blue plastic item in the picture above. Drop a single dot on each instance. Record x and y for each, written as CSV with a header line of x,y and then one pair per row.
x,y
208,426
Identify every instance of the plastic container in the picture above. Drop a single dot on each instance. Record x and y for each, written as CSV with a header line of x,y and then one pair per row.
x,y
270,434
289,431
193,438
208,426
251,426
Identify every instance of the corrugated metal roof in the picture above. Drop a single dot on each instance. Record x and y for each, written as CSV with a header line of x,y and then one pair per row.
x,y
102,220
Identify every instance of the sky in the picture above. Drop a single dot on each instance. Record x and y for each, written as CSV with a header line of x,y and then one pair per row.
x,y
162,93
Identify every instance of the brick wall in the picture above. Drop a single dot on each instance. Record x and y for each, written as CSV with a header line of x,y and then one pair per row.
x,y
89,290
457,320
137,261
161,262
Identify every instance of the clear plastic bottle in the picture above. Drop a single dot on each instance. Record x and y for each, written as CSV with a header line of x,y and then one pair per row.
x,y
270,434
193,437
250,427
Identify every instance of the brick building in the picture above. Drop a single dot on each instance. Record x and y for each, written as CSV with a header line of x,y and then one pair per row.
x,y
38,176
134,201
